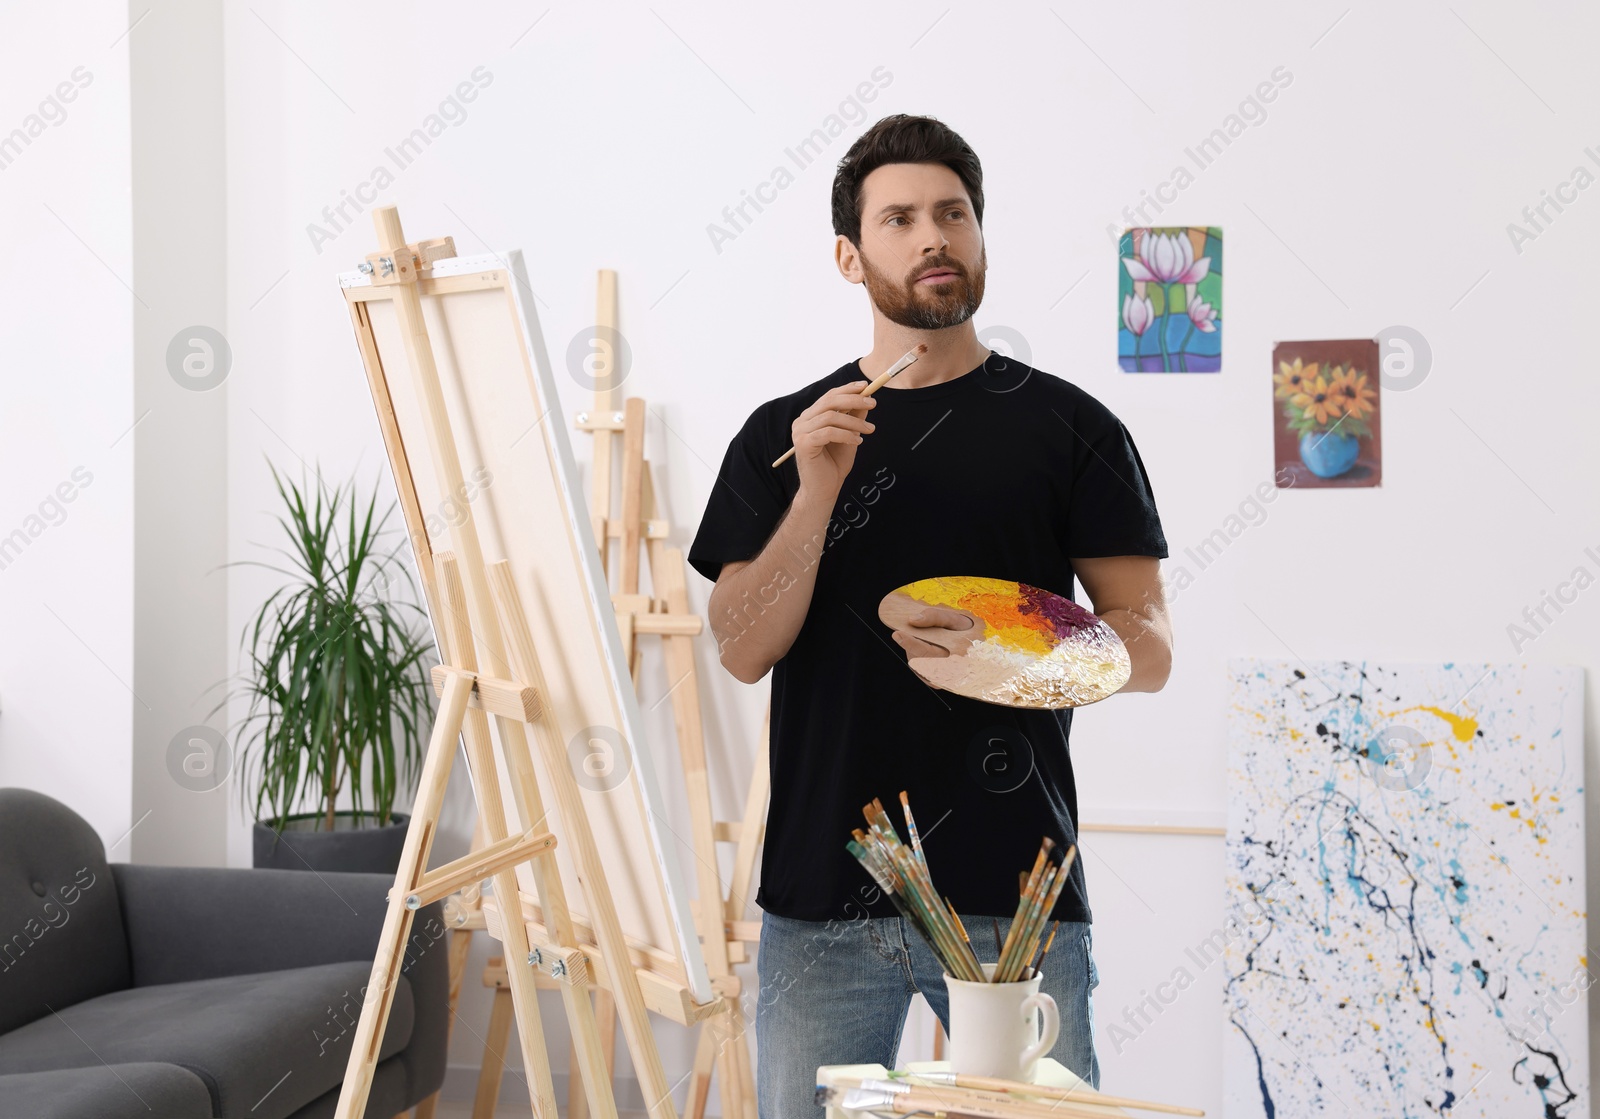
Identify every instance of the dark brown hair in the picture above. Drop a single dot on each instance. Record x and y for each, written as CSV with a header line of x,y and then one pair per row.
x,y
901,139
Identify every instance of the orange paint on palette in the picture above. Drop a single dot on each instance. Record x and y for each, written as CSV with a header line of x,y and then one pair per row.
x,y
1020,616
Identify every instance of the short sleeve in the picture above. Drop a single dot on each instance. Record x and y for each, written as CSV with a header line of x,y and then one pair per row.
x,y
1111,508
747,501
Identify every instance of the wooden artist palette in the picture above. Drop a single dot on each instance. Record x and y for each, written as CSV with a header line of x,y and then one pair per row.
x,y
1025,647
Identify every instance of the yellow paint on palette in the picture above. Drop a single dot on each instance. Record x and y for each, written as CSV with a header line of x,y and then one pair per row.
x,y
994,601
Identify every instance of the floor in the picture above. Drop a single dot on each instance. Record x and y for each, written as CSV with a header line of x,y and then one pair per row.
x,y
463,1110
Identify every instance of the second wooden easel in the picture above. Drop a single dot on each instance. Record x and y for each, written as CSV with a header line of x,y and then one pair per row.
x,y
632,526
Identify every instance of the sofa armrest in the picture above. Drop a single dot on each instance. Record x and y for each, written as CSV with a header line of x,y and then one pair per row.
x,y
187,923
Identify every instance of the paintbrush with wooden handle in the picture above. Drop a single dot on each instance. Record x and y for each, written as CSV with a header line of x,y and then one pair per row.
x,y
877,383
881,1096
994,1084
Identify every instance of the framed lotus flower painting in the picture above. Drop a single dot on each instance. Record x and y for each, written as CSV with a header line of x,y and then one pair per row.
x,y
1169,293
1328,424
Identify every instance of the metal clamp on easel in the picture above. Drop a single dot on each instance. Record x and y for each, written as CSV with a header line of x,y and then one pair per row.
x,y
570,967
408,263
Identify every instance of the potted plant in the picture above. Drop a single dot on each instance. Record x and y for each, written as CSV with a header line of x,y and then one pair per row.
x,y
334,668
1328,410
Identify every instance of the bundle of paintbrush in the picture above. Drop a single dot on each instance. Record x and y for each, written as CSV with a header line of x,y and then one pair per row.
x,y
902,873
1039,893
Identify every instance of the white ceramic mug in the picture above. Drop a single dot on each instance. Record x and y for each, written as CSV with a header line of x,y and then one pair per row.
x,y
1000,1029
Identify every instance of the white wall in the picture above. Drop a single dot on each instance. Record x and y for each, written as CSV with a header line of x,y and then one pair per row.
x,y
111,585
1376,192
66,455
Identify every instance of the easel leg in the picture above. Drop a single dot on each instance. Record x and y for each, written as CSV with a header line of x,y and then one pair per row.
x,y
605,1017
494,1055
460,946
379,996
736,1065
705,1057
605,1020
753,829
724,1050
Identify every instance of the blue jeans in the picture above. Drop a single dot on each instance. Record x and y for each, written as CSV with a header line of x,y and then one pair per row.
x,y
837,992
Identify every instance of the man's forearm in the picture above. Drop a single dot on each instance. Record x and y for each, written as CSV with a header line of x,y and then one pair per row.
x,y
757,609
1148,639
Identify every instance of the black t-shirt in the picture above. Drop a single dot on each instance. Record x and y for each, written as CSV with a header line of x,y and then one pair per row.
x,y
1003,472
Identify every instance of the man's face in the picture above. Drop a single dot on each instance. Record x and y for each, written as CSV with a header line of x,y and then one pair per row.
x,y
922,255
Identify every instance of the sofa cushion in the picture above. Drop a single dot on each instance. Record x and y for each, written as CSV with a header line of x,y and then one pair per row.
x,y
265,1045
61,935
133,1091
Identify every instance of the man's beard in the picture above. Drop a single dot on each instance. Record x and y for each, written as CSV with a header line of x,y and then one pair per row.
x,y
928,306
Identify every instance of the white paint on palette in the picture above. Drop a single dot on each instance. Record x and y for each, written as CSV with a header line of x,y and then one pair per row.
x,y
1405,884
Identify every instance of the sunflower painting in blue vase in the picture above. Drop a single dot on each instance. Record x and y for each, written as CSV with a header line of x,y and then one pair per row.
x,y
1328,427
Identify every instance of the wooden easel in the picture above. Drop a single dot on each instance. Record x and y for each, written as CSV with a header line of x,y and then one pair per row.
x,y
477,610
725,934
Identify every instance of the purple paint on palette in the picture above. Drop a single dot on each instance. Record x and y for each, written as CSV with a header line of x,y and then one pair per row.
x,y
1066,616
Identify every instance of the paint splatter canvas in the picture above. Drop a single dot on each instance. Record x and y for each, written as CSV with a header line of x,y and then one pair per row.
x,y
1007,643
1405,891
1169,295
1328,424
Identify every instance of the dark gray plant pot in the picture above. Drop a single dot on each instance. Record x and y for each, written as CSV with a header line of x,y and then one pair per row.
x,y
357,843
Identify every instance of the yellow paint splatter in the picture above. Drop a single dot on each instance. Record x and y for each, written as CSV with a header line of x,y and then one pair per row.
x,y
1460,725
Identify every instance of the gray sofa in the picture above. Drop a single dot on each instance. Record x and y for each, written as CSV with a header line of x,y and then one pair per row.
x,y
169,993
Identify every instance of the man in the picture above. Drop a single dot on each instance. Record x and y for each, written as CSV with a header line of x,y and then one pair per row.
x,y
967,463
